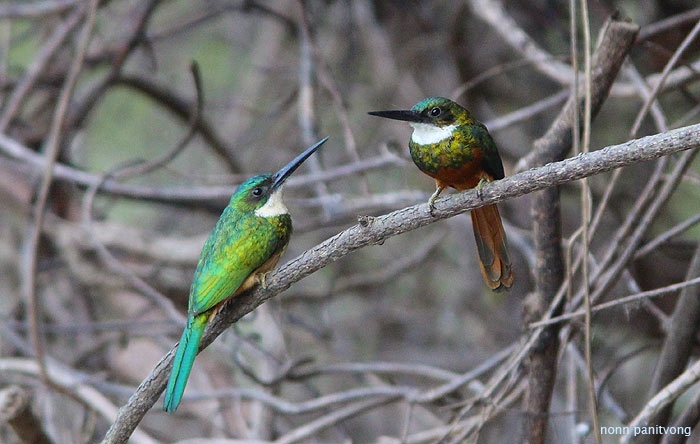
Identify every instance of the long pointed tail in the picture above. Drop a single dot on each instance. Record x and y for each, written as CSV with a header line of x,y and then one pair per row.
x,y
493,247
184,358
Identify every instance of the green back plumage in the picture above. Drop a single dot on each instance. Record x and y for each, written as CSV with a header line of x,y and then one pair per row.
x,y
249,238
240,243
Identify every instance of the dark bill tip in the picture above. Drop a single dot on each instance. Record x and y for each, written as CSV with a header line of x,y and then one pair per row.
x,y
279,177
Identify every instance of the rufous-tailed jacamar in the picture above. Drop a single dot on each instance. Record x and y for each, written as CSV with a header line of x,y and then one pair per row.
x,y
247,242
456,150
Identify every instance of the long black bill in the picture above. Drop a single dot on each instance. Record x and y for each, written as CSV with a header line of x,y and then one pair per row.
x,y
405,115
279,177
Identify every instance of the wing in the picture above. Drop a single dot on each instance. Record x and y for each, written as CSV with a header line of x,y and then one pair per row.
x,y
492,163
235,248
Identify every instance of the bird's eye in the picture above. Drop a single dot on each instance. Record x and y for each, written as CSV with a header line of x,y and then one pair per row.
x,y
257,191
434,112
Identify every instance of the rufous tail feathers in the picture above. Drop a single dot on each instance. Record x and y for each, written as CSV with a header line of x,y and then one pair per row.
x,y
493,247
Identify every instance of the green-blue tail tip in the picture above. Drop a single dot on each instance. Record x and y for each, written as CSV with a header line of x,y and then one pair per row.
x,y
183,361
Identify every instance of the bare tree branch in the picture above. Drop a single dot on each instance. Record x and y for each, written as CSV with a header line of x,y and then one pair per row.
x,y
178,194
374,230
662,399
675,353
615,41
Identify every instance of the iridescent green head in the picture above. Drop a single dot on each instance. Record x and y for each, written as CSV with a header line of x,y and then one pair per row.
x,y
433,111
434,119
262,194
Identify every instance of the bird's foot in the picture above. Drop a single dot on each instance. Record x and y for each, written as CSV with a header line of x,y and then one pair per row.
x,y
433,198
261,278
431,206
480,187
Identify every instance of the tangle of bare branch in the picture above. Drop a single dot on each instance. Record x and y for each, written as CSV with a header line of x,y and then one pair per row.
x,y
374,230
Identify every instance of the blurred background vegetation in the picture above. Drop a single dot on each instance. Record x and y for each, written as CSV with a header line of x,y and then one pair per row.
x,y
113,273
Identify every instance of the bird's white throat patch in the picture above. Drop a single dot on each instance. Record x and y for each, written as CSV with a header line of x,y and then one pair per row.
x,y
426,134
273,207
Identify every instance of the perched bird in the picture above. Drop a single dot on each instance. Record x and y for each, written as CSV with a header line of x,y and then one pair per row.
x,y
246,243
456,150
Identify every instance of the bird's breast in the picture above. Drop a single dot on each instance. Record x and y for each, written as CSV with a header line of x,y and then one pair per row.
x,y
457,164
